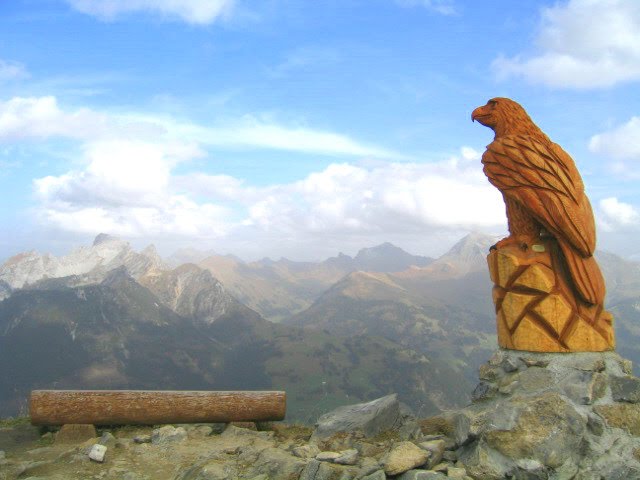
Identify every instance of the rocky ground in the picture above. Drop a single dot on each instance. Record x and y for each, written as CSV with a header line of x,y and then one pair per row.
x,y
534,416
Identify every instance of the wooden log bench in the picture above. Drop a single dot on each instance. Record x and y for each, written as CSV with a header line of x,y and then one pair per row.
x,y
148,407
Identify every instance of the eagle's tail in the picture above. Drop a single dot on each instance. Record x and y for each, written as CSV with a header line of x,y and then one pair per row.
x,y
585,273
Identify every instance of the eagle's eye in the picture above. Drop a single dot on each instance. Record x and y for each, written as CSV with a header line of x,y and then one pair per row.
x,y
493,103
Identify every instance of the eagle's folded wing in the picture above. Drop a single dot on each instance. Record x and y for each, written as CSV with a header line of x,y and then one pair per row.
x,y
544,179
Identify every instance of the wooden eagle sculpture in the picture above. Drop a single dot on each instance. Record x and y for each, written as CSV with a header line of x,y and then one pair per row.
x,y
543,192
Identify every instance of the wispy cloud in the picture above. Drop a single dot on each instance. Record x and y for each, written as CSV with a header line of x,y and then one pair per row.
x,y
12,70
444,7
43,117
582,44
200,12
305,59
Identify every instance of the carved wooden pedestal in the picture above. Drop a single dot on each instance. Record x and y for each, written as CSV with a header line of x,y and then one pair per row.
x,y
537,310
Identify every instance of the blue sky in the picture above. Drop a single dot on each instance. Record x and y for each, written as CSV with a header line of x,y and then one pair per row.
x,y
298,128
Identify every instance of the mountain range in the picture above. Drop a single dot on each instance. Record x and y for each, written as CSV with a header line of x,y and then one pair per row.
x,y
329,333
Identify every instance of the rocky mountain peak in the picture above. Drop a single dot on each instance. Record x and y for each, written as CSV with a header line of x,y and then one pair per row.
x,y
106,253
386,257
105,238
473,245
379,250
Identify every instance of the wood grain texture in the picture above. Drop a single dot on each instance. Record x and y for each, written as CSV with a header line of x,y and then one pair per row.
x,y
536,309
145,407
543,192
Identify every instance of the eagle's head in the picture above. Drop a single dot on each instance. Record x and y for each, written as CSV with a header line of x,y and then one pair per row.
x,y
504,117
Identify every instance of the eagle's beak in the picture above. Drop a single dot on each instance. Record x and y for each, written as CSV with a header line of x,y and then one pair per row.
x,y
476,113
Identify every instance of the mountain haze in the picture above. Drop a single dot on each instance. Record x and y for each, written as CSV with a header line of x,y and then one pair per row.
x,y
279,289
180,329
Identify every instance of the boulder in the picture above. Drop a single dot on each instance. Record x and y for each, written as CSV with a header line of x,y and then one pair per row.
x,y
370,419
402,457
168,434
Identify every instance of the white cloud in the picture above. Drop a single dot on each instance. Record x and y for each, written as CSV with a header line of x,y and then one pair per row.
x,y
191,11
140,196
616,215
42,117
444,7
123,188
12,70
127,182
623,142
582,44
345,198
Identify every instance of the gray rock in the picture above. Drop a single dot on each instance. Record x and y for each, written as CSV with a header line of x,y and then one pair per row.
x,y
277,463
535,380
455,472
482,462
347,457
402,457
213,471
306,451
436,449
595,424
168,434
497,358
548,428
327,456
97,453
483,391
490,373
233,431
450,456
107,439
379,475
367,467
200,431
566,471
626,366
509,364
583,387
370,418
534,362
625,389
531,469
421,475
310,471
142,439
